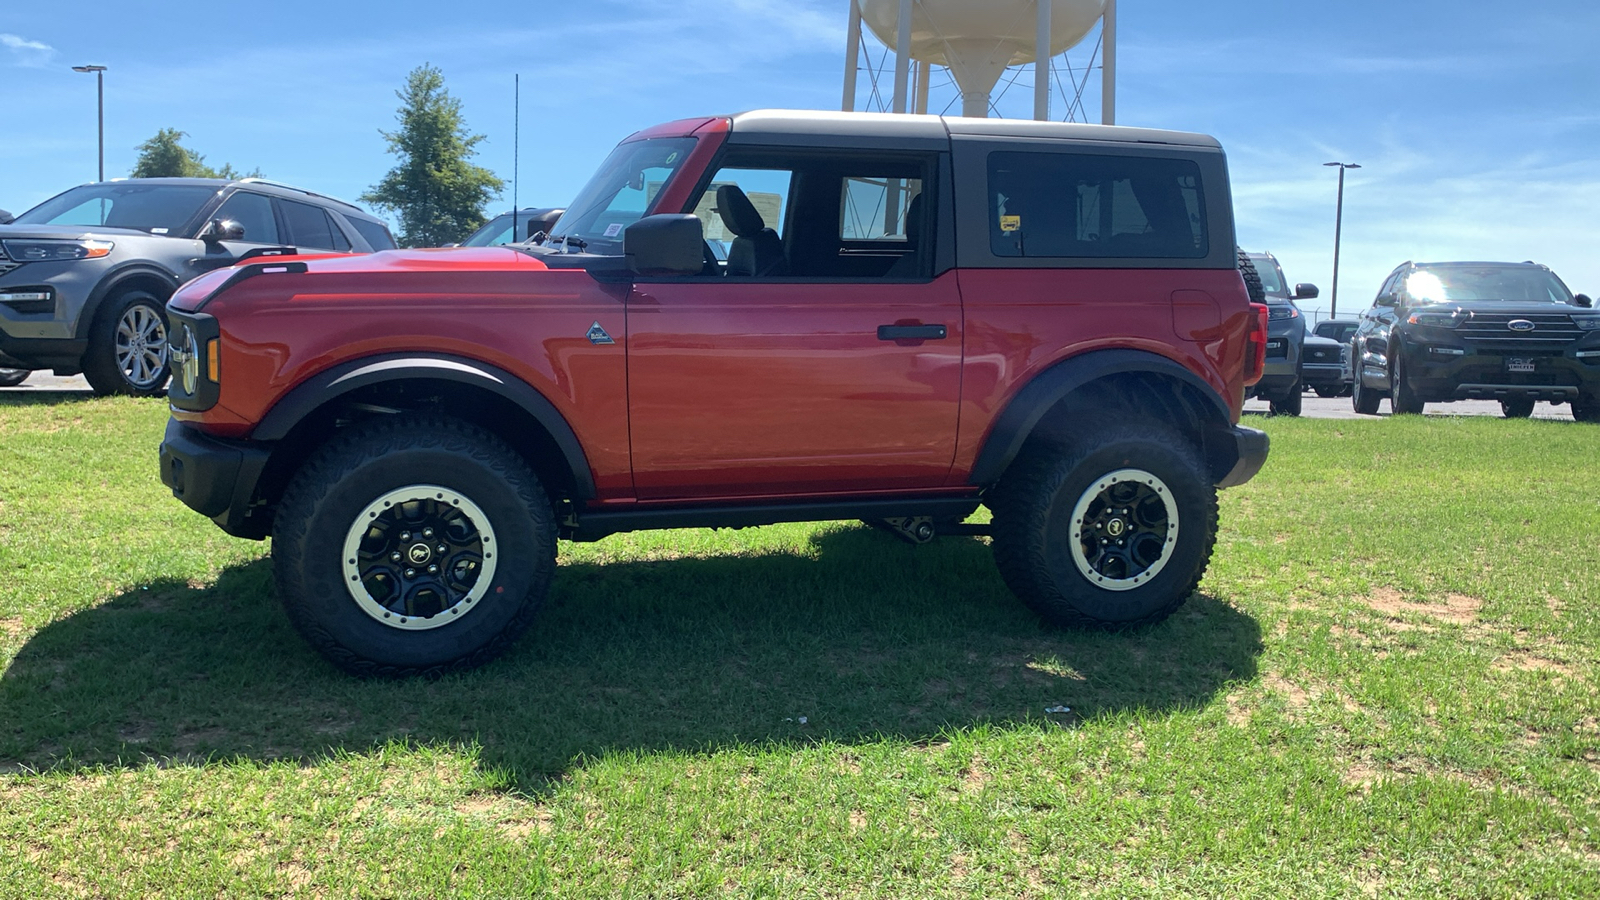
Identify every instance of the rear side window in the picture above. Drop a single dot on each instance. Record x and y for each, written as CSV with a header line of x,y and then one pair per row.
x,y
376,235
1088,206
309,226
254,212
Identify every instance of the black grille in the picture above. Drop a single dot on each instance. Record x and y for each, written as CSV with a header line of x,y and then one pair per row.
x,y
6,264
1551,332
1322,354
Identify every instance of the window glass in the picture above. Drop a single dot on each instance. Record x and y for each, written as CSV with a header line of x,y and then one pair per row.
x,y
768,190
341,243
156,208
254,212
497,232
308,225
874,209
376,235
1080,205
1457,283
1271,277
622,192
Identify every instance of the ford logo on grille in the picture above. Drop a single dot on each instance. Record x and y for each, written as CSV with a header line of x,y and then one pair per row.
x,y
1520,325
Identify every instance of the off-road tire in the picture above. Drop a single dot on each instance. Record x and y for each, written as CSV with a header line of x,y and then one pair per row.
x,y
14,377
1252,278
1034,506
1402,399
1519,408
1291,404
127,352
395,456
1327,393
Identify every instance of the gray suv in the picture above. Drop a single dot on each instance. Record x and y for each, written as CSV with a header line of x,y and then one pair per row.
x,y
1281,384
84,276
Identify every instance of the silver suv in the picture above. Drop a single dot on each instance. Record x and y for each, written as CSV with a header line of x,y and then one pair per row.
x,y
84,276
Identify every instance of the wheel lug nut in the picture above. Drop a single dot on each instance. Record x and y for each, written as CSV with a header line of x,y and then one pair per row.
x,y
405,535
411,573
442,548
395,556
433,570
427,533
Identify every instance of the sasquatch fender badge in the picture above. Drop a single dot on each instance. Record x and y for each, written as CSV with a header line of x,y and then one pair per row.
x,y
597,335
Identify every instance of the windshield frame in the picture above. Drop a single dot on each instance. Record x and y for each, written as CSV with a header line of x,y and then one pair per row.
x,y
71,199
595,200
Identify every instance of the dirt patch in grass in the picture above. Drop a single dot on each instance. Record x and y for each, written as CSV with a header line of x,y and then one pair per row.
x,y
1524,661
11,626
1457,609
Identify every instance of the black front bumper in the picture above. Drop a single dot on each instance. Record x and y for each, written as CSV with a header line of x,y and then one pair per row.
x,y
1250,448
216,478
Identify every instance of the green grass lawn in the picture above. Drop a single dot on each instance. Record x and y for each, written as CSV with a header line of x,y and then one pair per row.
x,y
1387,687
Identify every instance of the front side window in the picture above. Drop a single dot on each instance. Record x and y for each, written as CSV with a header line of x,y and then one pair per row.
x,y
254,212
1082,205
876,209
622,192
156,208
1271,277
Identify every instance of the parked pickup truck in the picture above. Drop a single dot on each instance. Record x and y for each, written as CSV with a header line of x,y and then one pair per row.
x,y
770,317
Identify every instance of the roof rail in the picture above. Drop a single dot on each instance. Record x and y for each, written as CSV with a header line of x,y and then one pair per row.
x,y
299,190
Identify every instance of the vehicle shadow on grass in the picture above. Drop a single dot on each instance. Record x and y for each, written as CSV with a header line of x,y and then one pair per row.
x,y
865,637
43,397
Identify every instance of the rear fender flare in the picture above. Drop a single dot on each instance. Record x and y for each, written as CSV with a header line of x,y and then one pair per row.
x,y
318,390
1030,404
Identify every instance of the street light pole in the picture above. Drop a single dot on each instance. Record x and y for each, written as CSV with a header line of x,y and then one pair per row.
x,y
100,90
1338,229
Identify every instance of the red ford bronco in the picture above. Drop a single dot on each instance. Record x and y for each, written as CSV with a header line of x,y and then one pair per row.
x,y
770,317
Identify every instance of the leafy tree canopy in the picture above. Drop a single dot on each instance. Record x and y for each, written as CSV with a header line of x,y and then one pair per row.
x,y
164,157
435,191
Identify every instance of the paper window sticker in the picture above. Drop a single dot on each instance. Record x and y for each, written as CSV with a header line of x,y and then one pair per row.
x,y
614,229
1010,223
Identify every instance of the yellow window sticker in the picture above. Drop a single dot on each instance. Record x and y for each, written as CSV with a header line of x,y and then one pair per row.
x,y
1010,223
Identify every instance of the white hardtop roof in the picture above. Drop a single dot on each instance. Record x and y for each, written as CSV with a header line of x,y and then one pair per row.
x,y
901,125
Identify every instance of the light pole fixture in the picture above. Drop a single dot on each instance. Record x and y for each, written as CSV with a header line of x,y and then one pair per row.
x,y
1338,228
100,89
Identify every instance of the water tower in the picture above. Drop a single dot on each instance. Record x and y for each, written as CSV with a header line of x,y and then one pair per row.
x,y
977,41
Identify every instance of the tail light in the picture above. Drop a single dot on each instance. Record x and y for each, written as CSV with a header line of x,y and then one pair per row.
x,y
1255,349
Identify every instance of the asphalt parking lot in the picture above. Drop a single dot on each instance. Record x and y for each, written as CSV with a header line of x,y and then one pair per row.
x,y
1315,407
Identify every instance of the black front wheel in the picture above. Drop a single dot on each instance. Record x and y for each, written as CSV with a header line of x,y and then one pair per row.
x,y
1364,399
1402,397
1516,408
1586,410
413,545
1112,532
127,351
14,377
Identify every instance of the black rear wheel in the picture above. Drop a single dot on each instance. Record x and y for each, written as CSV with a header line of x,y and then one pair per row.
x,y
1290,404
1111,532
413,545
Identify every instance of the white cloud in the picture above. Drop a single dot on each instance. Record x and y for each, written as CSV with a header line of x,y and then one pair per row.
x,y
24,52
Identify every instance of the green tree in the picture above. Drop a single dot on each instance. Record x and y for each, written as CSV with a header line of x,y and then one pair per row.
x,y
163,156
435,191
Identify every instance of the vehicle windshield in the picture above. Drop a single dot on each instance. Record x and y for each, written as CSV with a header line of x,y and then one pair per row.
x,y
156,208
622,192
498,231
1338,331
1271,277
1520,284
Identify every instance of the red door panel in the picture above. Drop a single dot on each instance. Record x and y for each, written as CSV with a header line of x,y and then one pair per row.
x,y
743,387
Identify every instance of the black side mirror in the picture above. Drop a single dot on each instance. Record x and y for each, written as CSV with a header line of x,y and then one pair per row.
x,y
1390,299
1306,292
541,220
671,244
222,230
1583,301
6,218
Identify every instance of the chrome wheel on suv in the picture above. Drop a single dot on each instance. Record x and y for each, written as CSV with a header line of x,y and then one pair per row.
x,y
128,346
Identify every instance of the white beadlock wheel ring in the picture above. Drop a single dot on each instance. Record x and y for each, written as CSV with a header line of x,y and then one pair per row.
x,y
386,545
1096,516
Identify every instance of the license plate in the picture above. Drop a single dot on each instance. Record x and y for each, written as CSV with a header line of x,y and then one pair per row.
x,y
1519,364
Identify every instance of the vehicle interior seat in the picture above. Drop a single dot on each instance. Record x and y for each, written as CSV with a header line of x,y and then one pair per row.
x,y
756,250
910,265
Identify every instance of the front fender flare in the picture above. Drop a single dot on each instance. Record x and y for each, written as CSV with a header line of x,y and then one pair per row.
x,y
1022,414
327,385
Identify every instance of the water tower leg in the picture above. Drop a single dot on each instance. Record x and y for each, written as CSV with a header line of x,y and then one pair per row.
x,y
924,74
1041,64
852,57
1108,69
902,57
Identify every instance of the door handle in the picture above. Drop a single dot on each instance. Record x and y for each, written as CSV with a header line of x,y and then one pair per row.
x,y
912,333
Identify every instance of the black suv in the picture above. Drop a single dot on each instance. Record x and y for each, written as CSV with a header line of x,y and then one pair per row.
x,y
84,275
1478,330
1283,380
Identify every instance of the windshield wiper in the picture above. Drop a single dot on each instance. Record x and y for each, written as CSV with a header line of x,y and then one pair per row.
x,y
567,240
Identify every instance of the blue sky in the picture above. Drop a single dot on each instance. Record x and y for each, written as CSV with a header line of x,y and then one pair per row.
x,y
1478,126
